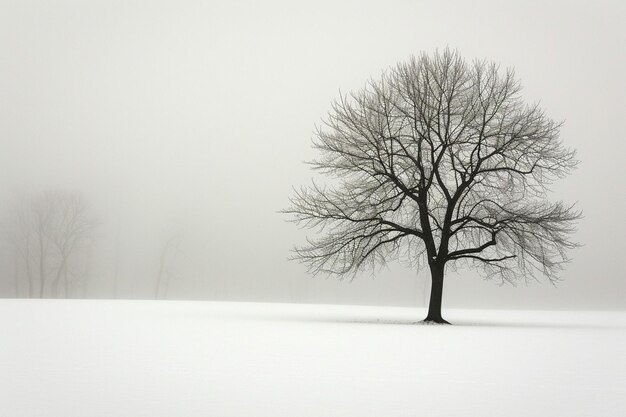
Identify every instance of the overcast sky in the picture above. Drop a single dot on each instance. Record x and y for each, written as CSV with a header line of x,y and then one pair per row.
x,y
193,118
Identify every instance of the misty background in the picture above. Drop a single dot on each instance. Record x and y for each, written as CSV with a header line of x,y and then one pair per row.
x,y
183,127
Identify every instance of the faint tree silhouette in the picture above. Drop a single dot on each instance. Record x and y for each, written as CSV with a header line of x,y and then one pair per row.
x,y
51,236
167,259
438,162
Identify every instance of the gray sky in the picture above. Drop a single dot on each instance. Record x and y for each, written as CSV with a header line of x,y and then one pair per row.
x,y
192,119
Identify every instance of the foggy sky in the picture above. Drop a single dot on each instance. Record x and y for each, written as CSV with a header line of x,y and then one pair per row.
x,y
192,119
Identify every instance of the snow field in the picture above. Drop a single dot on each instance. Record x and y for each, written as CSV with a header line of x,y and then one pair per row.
x,y
173,358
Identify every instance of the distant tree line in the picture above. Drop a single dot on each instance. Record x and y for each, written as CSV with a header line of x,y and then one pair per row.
x,y
51,235
48,241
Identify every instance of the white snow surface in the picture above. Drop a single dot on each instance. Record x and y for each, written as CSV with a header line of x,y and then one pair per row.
x,y
79,358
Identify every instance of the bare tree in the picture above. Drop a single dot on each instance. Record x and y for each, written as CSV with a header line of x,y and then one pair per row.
x,y
51,236
439,163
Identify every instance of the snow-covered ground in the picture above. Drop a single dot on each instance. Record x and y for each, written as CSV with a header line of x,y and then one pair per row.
x,y
80,358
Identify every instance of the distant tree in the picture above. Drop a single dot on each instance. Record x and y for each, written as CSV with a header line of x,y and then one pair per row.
x,y
51,235
167,258
439,163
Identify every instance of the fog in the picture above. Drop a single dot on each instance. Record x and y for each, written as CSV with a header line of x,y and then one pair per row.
x,y
188,123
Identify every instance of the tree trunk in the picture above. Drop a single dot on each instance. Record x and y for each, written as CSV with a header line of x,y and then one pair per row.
x,y
42,275
17,275
31,284
436,293
66,284
57,278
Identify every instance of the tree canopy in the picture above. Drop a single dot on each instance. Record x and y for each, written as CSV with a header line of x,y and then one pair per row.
x,y
438,162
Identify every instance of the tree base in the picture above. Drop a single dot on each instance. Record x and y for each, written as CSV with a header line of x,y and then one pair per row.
x,y
439,320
